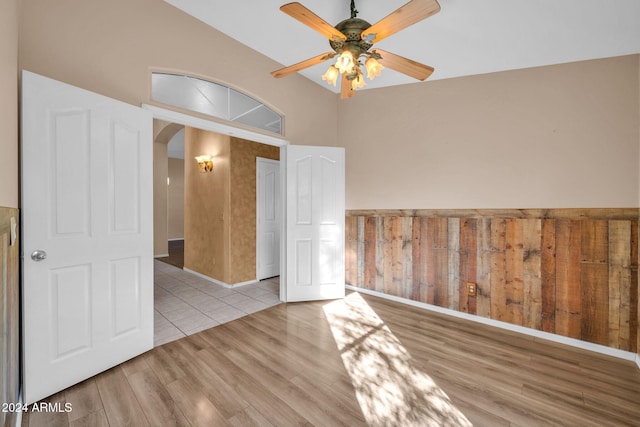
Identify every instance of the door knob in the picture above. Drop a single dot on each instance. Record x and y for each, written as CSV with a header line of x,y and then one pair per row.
x,y
38,255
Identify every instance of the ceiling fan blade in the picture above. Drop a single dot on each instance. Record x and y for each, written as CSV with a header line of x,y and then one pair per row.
x,y
346,91
283,72
310,19
409,14
403,65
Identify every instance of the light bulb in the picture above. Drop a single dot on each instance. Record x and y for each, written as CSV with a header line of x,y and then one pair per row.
x,y
345,62
331,76
358,82
373,68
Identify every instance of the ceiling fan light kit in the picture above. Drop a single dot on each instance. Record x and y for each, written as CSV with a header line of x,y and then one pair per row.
x,y
352,40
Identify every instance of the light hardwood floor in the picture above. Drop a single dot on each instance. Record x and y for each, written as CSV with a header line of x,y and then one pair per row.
x,y
361,361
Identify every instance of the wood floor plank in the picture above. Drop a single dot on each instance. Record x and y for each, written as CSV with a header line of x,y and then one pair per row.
x,y
94,419
297,398
120,403
160,361
84,399
40,414
337,399
197,409
272,408
249,417
134,365
155,400
207,381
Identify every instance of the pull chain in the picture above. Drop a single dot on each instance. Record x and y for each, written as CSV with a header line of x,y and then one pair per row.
x,y
354,12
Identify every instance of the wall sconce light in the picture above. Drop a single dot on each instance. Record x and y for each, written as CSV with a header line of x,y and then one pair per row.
x,y
205,164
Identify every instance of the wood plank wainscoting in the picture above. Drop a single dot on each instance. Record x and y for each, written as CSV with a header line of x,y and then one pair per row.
x,y
9,313
572,272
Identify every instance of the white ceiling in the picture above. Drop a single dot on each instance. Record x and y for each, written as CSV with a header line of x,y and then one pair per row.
x,y
466,37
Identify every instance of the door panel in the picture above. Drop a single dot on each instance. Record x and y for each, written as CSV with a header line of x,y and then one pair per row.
x,y
86,194
314,223
268,212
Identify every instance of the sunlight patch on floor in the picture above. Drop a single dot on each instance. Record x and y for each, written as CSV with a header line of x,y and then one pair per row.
x,y
390,389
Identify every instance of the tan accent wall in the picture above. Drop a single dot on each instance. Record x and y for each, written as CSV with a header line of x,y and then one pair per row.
x,y
549,137
175,202
243,206
571,272
220,207
109,47
207,205
9,103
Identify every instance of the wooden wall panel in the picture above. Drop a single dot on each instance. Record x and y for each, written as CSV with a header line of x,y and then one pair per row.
x,y
532,273
438,263
572,272
483,270
360,262
420,258
619,283
351,249
454,270
498,269
468,264
634,292
514,274
9,313
568,286
370,271
548,276
594,278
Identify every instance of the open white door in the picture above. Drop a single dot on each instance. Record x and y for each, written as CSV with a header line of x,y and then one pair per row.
x,y
314,223
268,218
87,220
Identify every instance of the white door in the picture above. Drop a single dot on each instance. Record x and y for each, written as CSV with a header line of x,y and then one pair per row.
x,y
314,223
268,218
86,204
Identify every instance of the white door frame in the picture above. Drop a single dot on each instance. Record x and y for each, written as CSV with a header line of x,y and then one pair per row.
x,y
225,129
263,161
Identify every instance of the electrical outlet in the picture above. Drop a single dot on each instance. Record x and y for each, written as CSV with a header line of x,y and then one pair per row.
x,y
471,289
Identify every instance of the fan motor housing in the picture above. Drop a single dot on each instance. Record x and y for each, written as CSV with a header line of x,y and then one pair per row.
x,y
352,28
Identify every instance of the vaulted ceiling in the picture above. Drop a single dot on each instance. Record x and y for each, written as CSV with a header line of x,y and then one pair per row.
x,y
466,37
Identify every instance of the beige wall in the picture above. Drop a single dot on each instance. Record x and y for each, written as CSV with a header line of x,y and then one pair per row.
x,y
160,243
243,206
109,46
206,209
163,131
557,136
9,103
175,202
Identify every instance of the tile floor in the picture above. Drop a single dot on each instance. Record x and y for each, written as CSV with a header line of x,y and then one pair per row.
x,y
186,304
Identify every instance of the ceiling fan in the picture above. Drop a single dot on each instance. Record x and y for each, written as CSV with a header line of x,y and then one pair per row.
x,y
352,40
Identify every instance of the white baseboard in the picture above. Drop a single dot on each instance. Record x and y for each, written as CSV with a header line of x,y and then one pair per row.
x,y
161,256
218,282
602,349
177,238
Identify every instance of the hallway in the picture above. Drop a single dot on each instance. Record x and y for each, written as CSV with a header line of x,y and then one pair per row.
x,y
186,304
